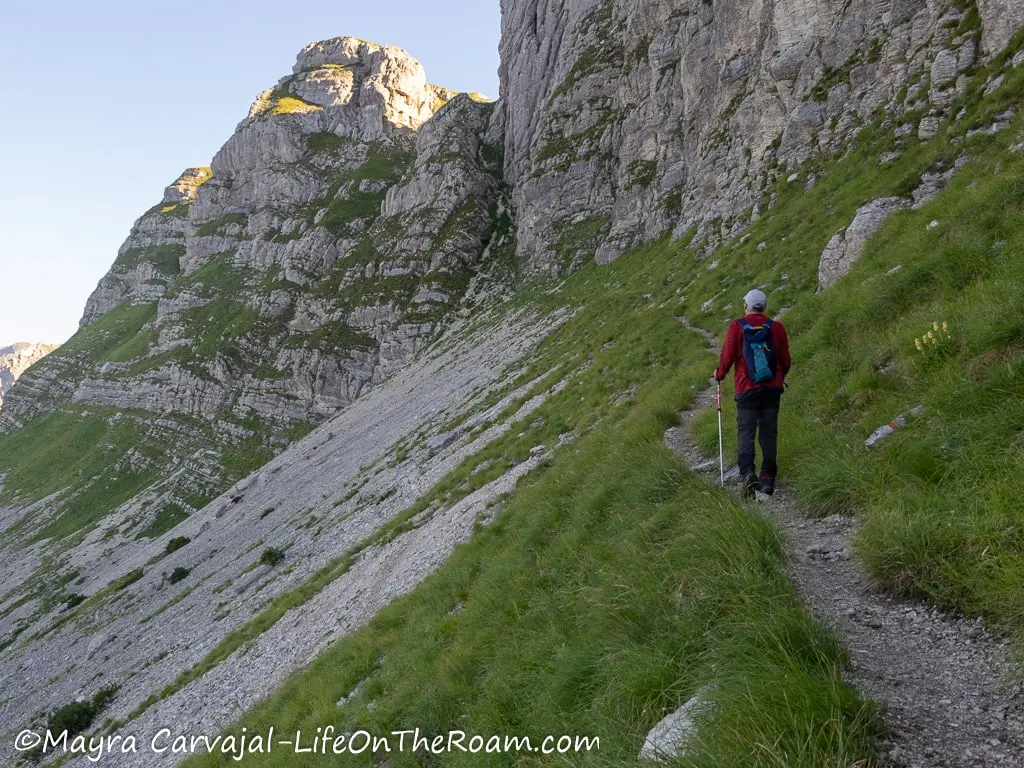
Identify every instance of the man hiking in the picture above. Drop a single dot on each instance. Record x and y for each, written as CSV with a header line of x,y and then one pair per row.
x,y
759,348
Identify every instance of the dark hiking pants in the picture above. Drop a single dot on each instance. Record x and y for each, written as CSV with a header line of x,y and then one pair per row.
x,y
757,412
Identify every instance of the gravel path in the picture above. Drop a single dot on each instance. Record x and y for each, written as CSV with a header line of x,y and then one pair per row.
x,y
947,684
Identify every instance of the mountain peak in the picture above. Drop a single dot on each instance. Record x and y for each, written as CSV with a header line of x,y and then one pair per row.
x,y
345,86
346,51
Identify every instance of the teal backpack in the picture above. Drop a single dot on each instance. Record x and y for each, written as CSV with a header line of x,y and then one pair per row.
x,y
758,352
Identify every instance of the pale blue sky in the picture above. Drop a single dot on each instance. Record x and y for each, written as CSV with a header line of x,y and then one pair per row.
x,y
106,102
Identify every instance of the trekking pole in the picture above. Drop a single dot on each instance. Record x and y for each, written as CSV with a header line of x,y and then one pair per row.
x,y
721,449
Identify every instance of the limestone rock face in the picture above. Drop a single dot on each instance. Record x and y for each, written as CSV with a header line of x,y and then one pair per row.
x,y
184,189
18,358
843,250
1000,19
149,259
625,120
319,252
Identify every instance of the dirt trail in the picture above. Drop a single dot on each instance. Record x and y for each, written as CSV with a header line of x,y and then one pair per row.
x,y
945,681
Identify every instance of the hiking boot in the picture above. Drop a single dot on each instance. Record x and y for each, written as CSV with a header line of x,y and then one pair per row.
x,y
750,485
767,486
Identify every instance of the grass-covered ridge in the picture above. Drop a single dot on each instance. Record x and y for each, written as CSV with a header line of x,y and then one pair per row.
x,y
610,589
613,586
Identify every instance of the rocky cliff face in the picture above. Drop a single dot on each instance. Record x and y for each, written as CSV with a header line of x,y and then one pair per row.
x,y
17,359
319,251
627,120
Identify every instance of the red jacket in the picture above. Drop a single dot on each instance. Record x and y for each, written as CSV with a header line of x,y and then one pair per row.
x,y
732,352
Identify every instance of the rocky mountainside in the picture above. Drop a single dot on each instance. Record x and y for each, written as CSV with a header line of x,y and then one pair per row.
x,y
625,120
319,251
303,354
18,358
357,206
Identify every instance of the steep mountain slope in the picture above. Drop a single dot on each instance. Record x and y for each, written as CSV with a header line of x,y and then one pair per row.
x,y
150,614
351,227
18,358
315,256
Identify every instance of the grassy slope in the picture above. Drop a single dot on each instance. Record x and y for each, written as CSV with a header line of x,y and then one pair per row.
x,y
614,585
940,500
609,591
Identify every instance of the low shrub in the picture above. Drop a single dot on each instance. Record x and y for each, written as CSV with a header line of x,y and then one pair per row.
x,y
271,556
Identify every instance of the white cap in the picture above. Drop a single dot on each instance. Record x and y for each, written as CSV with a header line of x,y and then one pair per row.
x,y
756,299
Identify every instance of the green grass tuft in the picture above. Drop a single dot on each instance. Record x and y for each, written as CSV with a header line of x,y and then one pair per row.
x,y
166,519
